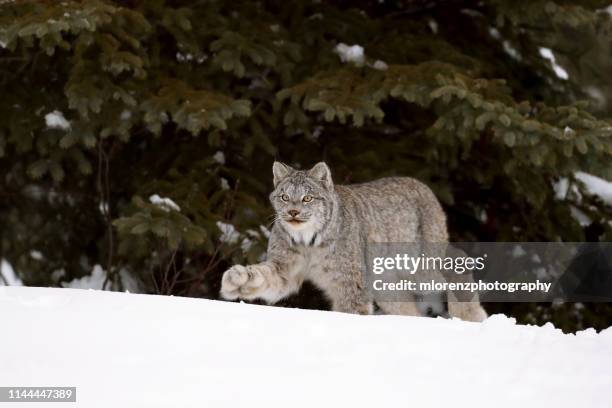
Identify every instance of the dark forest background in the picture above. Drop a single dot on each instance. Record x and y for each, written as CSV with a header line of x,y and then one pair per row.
x,y
497,105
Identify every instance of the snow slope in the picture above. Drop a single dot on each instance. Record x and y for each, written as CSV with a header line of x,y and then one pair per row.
x,y
125,350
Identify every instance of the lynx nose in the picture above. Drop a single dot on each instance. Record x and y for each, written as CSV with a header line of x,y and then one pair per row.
x,y
293,213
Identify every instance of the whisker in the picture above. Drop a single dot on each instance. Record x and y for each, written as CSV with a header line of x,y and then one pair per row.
x,y
275,218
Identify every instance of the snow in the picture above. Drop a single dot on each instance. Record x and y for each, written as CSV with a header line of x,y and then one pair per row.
x,y
380,65
350,53
219,157
184,57
508,48
562,188
597,96
596,186
36,255
494,32
246,244
126,115
247,241
316,133
224,184
103,207
593,184
580,216
97,278
152,351
229,233
188,57
164,203
93,281
546,53
433,26
518,251
56,120
8,278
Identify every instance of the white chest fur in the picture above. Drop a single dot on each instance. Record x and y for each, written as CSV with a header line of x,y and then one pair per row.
x,y
304,235
311,263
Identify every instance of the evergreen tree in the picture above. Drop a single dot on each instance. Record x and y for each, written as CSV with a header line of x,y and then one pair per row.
x,y
107,103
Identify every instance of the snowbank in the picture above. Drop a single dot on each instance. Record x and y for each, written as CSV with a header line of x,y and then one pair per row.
x,y
130,350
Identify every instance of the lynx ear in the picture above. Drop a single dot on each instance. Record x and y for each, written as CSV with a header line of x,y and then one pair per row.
x,y
321,172
280,171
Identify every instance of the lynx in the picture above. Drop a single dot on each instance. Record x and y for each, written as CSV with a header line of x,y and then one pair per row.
x,y
321,232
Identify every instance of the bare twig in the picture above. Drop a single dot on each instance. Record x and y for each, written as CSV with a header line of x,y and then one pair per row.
x,y
214,259
176,273
171,265
166,283
104,197
152,274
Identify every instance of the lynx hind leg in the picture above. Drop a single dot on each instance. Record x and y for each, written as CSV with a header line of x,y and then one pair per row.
x,y
468,311
399,308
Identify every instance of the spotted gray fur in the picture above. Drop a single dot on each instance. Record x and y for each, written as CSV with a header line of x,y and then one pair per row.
x,y
325,241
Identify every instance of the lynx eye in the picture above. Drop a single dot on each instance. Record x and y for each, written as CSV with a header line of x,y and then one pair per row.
x,y
307,198
285,197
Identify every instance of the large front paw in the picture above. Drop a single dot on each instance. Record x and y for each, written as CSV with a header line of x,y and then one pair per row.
x,y
242,282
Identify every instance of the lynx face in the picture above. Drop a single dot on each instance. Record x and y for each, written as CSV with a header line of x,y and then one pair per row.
x,y
302,200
